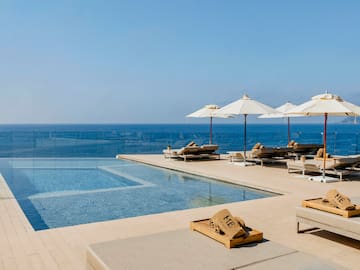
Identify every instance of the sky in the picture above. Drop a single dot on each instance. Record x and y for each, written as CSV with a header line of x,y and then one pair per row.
x,y
156,61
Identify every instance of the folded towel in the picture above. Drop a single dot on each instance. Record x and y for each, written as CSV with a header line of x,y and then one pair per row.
x,y
225,224
338,200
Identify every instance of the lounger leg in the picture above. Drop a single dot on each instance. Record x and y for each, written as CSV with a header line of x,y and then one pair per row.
x,y
305,230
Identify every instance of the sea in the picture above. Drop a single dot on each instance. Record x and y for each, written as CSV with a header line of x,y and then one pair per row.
x,y
108,140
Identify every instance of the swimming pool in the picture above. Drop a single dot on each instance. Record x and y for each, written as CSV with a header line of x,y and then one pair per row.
x,y
69,191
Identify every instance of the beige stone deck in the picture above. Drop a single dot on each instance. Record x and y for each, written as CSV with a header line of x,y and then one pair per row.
x,y
64,248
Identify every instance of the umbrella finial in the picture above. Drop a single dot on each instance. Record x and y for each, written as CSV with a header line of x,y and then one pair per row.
x,y
245,96
212,107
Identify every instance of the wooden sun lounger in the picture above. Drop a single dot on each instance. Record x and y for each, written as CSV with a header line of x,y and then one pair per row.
x,y
193,152
269,152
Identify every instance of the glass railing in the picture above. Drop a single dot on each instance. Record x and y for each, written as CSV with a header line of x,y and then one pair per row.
x,y
110,140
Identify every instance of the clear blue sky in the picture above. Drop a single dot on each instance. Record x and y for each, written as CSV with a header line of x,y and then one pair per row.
x,y
156,61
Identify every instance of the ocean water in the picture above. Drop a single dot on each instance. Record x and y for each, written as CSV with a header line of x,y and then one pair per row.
x,y
109,140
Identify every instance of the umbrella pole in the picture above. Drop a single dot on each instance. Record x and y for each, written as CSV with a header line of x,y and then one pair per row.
x,y
325,124
288,120
210,141
245,115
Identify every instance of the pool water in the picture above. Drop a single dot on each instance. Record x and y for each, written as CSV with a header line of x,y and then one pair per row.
x,y
69,191
64,179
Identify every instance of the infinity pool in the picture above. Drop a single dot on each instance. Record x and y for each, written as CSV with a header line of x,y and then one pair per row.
x,y
63,192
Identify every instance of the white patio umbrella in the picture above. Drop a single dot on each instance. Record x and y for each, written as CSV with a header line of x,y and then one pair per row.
x,y
281,113
209,112
326,104
245,106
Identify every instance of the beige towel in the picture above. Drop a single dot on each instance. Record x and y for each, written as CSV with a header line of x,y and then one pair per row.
x,y
338,200
224,223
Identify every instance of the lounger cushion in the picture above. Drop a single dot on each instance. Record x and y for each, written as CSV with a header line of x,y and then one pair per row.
x,y
181,151
209,148
268,152
335,162
344,162
188,150
305,148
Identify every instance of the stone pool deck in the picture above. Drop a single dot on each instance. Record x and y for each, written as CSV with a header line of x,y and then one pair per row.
x,y
65,248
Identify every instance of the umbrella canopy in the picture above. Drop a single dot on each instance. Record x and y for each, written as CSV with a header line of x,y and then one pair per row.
x,y
326,104
209,111
245,106
281,113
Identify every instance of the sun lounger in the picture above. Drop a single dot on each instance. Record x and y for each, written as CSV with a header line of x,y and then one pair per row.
x,y
208,148
193,151
270,152
200,152
191,147
313,166
304,149
337,166
328,221
260,153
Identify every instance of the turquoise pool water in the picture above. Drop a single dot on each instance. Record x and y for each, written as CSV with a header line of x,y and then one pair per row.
x,y
69,191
